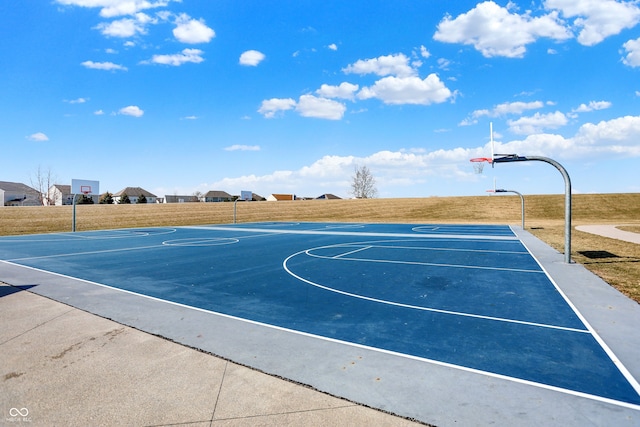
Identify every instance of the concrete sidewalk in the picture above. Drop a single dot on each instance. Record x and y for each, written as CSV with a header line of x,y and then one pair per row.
x,y
62,366
610,231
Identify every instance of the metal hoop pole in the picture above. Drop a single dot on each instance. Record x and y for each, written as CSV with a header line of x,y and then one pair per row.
x,y
235,208
521,201
567,194
73,222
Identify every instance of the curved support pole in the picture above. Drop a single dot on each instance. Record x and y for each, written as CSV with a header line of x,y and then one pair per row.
x,y
567,193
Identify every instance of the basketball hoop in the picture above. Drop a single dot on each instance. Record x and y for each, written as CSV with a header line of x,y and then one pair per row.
x,y
478,164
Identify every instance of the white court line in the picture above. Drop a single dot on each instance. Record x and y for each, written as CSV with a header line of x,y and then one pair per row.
x,y
355,345
616,361
364,248
430,264
351,233
70,254
417,307
429,248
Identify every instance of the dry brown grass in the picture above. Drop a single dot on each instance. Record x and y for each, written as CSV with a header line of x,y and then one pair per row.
x,y
544,218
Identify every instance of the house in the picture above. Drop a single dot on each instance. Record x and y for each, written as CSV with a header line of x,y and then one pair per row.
x,y
218,196
281,197
328,197
180,199
18,194
257,198
133,193
59,195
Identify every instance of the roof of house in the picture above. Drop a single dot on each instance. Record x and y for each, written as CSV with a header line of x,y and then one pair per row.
x,y
218,193
134,192
283,196
328,196
64,189
16,187
173,198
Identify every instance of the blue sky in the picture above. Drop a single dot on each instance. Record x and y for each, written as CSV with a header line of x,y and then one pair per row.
x,y
290,96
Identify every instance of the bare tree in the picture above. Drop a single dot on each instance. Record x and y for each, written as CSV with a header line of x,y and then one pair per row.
x,y
42,182
363,184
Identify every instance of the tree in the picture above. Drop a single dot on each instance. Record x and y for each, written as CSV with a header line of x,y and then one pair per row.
x,y
124,199
85,200
107,199
142,199
42,182
363,184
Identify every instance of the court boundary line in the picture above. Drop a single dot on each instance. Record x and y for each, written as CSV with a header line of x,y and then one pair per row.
x,y
610,353
346,343
351,233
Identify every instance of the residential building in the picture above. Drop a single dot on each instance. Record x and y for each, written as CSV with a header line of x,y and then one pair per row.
x,y
18,194
218,196
328,197
134,193
180,199
281,197
59,195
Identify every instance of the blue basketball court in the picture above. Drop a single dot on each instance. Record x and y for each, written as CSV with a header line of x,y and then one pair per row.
x,y
467,298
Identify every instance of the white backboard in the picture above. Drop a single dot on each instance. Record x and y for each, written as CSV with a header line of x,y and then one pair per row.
x,y
83,186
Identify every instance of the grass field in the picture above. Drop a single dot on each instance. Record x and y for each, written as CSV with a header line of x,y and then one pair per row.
x,y
618,263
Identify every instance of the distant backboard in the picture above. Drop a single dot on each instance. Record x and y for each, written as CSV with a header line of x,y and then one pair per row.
x,y
83,186
246,195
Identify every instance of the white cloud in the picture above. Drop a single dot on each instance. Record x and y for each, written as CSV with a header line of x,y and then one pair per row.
x,y
98,113
424,52
108,66
111,8
270,107
77,101
131,110
592,106
508,108
598,19
632,49
395,65
395,171
126,27
537,123
613,138
192,31
495,31
239,147
623,130
344,90
251,58
408,90
321,108
38,136
333,46
177,59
